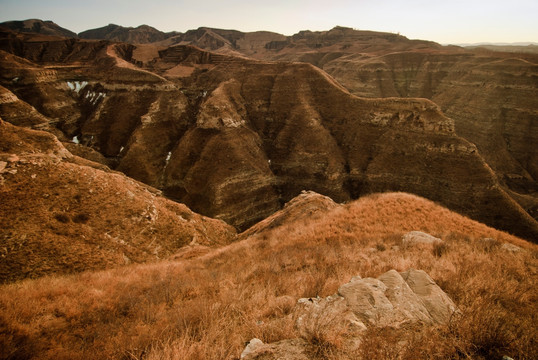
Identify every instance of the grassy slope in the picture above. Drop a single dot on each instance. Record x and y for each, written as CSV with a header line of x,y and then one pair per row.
x,y
60,214
207,307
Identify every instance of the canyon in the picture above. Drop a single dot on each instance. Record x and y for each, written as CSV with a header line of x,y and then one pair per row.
x,y
234,138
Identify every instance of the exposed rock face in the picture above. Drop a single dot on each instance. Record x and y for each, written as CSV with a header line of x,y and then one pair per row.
x,y
38,27
235,138
63,214
392,300
490,97
19,112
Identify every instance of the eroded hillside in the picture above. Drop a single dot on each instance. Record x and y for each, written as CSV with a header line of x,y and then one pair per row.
x,y
490,95
234,138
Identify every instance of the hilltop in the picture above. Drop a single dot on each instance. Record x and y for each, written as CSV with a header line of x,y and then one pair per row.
x,y
38,27
212,304
140,35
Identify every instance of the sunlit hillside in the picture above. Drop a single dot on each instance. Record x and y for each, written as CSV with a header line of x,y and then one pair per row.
x,y
209,306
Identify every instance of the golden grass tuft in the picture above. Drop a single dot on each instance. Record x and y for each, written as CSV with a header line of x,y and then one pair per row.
x,y
207,307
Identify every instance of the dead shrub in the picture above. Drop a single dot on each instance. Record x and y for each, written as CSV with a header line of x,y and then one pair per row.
x,y
440,248
381,343
380,247
488,245
325,332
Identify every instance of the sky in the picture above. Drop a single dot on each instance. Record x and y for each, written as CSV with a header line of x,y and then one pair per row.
x,y
446,21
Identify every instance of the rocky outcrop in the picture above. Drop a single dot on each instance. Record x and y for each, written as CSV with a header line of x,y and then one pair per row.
x,y
306,206
62,214
392,300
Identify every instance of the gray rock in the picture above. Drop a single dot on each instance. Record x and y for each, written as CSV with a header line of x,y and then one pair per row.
x,y
408,306
419,237
252,345
393,299
511,248
366,299
332,313
440,307
293,349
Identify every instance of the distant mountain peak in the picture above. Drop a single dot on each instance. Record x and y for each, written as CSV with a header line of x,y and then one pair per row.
x,y
45,27
142,34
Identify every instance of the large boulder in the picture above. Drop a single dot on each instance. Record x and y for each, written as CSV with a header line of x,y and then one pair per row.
x,y
391,300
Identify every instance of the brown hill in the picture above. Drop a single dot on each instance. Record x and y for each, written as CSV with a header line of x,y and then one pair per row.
x,y
226,41
62,214
140,35
209,307
302,46
38,27
236,138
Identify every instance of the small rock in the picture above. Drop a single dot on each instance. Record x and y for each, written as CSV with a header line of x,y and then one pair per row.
x,y
251,347
291,349
419,237
3,165
33,176
13,158
511,247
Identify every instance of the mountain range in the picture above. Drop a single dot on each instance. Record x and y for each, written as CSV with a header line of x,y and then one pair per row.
x,y
465,84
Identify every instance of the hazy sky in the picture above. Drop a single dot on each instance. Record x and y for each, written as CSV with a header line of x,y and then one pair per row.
x,y
446,21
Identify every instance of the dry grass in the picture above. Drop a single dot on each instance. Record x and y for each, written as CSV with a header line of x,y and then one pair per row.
x,y
62,216
208,307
